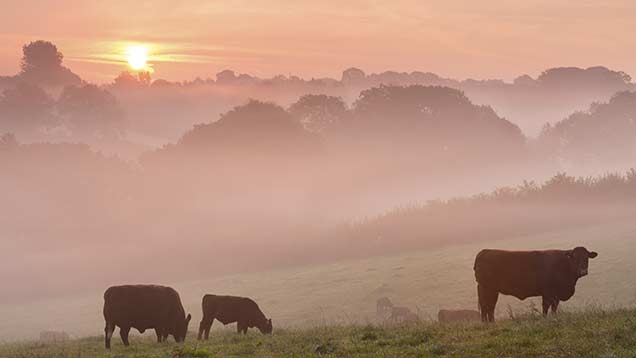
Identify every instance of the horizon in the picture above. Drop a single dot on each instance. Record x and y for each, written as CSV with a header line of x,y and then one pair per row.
x,y
198,39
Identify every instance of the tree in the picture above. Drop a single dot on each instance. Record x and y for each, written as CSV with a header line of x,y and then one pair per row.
x,y
133,80
91,111
353,75
42,64
24,109
319,113
602,135
437,120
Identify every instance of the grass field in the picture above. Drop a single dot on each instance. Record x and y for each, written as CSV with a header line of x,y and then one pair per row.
x,y
344,293
592,333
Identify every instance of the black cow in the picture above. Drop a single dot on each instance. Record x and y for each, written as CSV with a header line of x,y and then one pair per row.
x,y
551,274
144,307
230,309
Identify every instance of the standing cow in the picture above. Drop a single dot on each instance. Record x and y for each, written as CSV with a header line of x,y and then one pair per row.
x,y
144,307
230,309
551,274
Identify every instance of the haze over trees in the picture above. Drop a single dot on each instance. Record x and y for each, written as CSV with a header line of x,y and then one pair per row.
x,y
279,178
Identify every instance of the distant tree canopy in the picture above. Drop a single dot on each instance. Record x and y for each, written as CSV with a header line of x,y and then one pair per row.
x,y
42,65
603,134
92,111
132,80
257,127
319,113
435,119
593,76
25,109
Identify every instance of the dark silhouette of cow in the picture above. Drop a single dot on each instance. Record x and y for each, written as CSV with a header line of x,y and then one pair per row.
x,y
383,307
403,314
229,309
144,307
444,316
551,274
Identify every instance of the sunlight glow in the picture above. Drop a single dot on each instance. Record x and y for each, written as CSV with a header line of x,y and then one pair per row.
x,y
137,56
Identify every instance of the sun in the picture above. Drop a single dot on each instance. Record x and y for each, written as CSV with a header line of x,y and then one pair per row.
x,y
137,57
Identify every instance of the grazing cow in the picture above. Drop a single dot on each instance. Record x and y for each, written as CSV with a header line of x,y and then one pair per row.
x,y
383,307
229,309
551,274
444,316
144,307
53,336
403,314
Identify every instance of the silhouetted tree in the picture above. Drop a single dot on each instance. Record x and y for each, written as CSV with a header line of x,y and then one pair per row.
x,y
24,109
353,75
602,135
42,64
132,80
435,120
319,113
91,111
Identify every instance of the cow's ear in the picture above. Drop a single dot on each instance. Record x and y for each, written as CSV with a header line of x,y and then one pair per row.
x,y
188,318
593,254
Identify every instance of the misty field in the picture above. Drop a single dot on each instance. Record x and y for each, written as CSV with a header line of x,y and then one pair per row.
x,y
592,333
345,293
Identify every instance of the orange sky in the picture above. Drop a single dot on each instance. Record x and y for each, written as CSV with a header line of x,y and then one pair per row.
x,y
455,38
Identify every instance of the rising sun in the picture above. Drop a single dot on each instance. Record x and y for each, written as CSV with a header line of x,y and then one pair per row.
x,y
137,57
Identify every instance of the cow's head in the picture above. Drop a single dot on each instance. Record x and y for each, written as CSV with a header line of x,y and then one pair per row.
x,y
578,259
266,326
182,329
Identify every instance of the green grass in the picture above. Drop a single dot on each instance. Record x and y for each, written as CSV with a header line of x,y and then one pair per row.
x,y
591,333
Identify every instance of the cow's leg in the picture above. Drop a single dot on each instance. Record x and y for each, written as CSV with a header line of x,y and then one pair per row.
x,y
555,304
487,302
108,333
546,302
123,333
241,327
205,323
208,327
493,296
482,303
165,337
159,333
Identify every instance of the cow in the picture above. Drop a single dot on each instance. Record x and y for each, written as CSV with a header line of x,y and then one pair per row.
x,y
403,314
144,307
383,307
444,316
229,309
550,274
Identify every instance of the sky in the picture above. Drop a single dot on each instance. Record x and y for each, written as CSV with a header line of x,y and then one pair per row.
x,y
454,38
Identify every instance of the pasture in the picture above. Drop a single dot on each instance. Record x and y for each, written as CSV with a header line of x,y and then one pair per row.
x,y
593,333
344,293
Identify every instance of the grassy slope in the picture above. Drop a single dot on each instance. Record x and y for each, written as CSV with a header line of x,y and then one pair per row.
x,y
592,333
345,292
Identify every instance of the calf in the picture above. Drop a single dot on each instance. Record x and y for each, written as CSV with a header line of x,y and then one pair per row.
x,y
229,309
